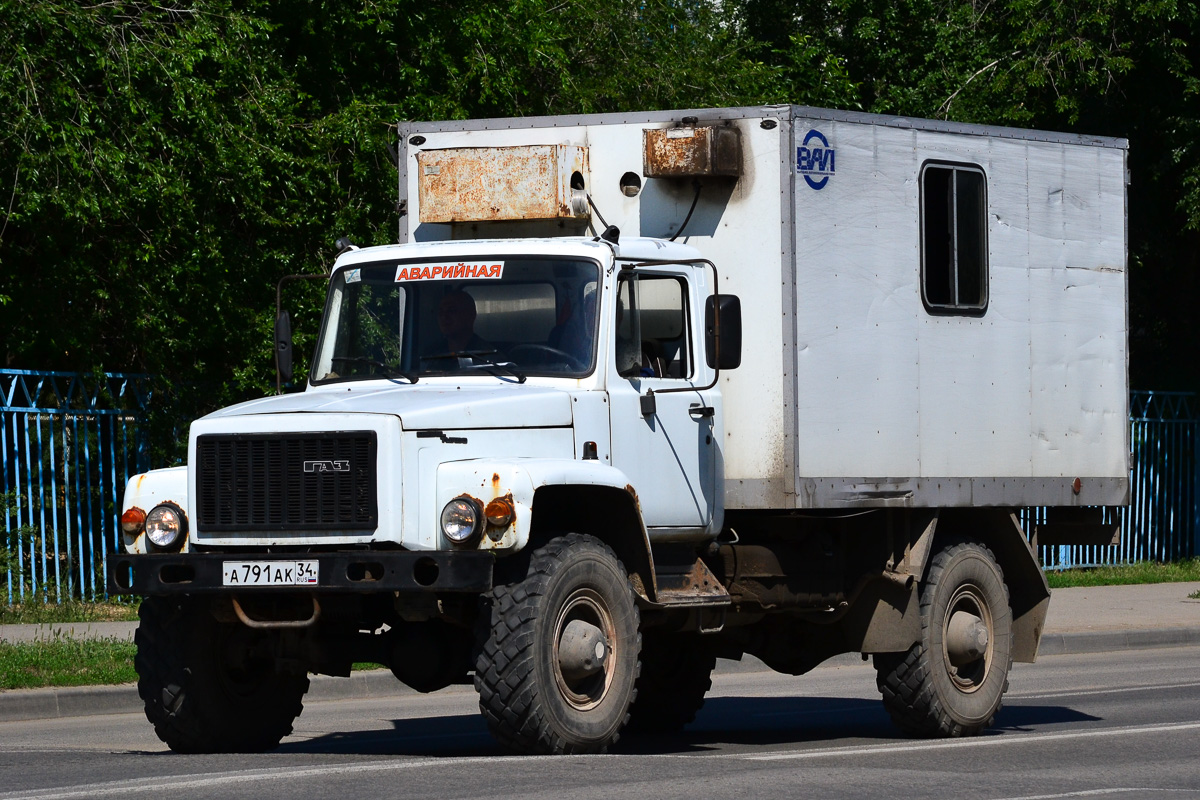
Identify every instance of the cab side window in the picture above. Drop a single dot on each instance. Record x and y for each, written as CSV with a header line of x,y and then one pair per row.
x,y
653,332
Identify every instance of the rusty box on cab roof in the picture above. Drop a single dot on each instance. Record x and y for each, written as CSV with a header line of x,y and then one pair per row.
x,y
491,184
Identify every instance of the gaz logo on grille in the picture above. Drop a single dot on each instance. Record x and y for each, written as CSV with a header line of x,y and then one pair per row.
x,y
326,466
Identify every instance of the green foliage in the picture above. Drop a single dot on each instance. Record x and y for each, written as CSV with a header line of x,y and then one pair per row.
x,y
1138,572
165,165
66,662
163,177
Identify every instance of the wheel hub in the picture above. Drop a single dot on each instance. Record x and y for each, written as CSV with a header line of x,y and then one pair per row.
x,y
582,650
966,638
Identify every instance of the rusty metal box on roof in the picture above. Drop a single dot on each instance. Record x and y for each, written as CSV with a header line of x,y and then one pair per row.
x,y
491,184
688,152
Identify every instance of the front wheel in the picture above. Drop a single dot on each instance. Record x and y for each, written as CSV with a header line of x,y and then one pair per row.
x,y
952,681
209,686
676,674
556,672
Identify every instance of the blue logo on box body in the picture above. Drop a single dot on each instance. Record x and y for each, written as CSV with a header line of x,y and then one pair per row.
x,y
815,161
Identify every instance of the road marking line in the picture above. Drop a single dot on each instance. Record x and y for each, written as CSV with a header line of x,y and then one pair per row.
x,y
984,741
1087,692
1091,792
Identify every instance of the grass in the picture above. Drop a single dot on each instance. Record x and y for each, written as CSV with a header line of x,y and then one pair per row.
x,y
60,661
1139,572
66,662
71,611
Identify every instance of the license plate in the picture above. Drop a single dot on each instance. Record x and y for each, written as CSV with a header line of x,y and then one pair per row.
x,y
269,573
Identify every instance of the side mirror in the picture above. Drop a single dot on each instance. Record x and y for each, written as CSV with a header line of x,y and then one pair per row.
x,y
727,309
283,347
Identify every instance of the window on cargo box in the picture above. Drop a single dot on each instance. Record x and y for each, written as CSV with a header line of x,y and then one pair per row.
x,y
954,254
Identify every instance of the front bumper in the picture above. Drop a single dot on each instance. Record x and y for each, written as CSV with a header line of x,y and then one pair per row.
x,y
358,572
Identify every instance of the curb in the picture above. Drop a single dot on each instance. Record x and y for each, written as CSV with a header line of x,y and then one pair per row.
x,y
82,701
1058,644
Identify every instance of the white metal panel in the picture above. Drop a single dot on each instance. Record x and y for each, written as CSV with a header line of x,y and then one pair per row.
x,y
858,306
974,371
1078,358
1034,387
741,229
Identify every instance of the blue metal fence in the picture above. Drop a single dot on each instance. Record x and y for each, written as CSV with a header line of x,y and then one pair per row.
x,y
1162,522
69,444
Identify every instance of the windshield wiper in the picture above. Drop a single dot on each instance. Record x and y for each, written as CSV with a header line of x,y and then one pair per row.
x,y
494,367
390,371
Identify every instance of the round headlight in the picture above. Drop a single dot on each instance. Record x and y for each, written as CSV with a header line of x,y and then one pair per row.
x,y
461,519
164,526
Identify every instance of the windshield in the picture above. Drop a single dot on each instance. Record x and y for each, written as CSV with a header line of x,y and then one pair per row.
x,y
511,317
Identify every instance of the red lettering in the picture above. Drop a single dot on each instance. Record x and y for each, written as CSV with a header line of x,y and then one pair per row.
x,y
496,270
425,273
403,276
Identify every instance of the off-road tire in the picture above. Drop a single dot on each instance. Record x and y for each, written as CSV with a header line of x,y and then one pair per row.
x,y
523,693
924,694
198,697
676,674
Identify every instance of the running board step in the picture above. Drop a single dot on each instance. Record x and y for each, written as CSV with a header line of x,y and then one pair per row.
x,y
682,585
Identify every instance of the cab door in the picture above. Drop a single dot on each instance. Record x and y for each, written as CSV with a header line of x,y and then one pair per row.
x,y
669,452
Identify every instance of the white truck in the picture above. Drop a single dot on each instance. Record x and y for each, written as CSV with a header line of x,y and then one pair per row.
x,y
638,391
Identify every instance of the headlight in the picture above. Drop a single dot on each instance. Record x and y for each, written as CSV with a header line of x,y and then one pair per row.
x,y
165,526
461,519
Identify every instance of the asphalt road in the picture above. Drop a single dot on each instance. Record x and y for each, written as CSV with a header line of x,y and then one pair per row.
x,y
1122,725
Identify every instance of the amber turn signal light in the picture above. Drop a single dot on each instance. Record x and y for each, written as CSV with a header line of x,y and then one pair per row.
x,y
133,520
499,512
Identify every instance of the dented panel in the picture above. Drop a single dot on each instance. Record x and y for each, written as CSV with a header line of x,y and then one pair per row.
x,y
493,184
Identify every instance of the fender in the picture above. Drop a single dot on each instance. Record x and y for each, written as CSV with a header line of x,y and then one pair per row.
x,y
149,489
520,479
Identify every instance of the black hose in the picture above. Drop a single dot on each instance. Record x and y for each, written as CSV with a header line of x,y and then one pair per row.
x,y
686,219
598,214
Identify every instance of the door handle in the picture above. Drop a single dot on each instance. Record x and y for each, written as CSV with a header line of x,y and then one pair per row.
x,y
702,412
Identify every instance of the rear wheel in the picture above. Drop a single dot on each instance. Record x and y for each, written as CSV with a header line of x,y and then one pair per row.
x,y
952,682
208,686
557,668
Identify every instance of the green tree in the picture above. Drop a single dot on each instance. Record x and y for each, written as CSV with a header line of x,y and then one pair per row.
x,y
164,166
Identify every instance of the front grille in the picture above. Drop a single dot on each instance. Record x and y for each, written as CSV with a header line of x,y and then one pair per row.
x,y
282,482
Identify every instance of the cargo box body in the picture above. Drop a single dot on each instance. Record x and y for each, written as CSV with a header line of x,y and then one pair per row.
x,y
877,370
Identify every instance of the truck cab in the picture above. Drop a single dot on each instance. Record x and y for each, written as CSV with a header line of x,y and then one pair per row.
x,y
577,362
